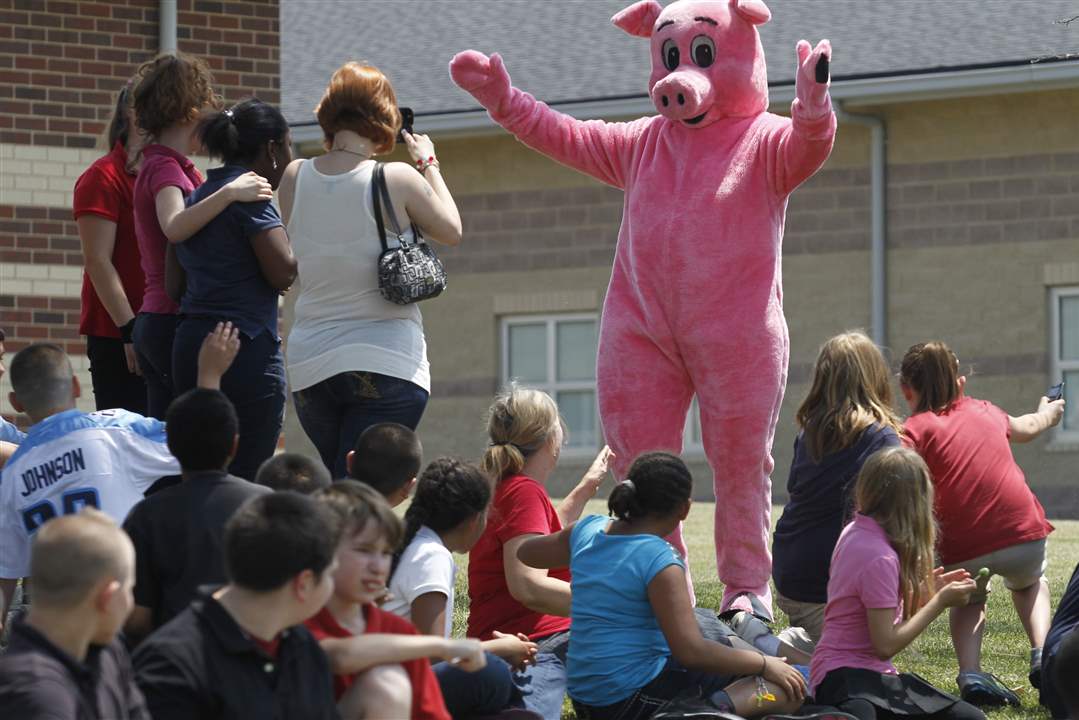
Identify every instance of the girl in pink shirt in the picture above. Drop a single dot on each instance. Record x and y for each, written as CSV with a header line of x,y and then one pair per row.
x,y
170,95
879,597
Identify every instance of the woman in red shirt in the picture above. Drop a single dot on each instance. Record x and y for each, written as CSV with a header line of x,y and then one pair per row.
x,y
987,514
112,281
525,435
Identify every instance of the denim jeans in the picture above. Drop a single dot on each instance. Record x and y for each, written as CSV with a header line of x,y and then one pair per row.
x,y
153,346
255,384
114,385
543,685
485,692
335,411
673,681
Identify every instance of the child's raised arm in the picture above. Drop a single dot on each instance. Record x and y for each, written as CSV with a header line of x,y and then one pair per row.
x,y
179,223
546,551
1027,427
356,654
889,637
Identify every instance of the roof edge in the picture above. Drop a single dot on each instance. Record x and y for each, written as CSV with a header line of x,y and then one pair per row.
x,y
1028,77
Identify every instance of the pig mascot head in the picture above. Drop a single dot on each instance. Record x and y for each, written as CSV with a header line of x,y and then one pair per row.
x,y
707,59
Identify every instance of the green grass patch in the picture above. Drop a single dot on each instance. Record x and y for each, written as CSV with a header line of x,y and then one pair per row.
x,y
1006,651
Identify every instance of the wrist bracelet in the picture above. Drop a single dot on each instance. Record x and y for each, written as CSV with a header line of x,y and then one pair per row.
x,y
126,331
423,164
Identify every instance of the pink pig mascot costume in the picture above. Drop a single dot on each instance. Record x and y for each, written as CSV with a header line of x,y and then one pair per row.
x,y
695,303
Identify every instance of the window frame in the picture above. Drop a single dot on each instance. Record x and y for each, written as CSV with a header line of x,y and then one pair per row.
x,y
1057,365
552,385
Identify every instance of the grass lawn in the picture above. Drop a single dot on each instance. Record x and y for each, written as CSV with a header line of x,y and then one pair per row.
x,y
1005,652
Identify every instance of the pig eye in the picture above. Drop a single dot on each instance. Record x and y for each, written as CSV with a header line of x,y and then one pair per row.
x,y
671,56
703,50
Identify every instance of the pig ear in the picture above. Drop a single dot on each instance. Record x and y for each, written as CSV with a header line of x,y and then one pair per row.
x,y
639,18
754,12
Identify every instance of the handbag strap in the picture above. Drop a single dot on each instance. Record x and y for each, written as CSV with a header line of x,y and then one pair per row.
x,y
379,188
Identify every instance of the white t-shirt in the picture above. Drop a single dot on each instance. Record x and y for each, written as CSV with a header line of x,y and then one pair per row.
x,y
426,566
342,322
106,459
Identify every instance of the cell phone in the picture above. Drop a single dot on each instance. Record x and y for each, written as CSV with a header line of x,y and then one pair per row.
x,y
407,118
1056,392
822,69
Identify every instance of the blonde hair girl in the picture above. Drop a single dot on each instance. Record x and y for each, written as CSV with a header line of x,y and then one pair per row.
x,y
846,417
882,593
525,435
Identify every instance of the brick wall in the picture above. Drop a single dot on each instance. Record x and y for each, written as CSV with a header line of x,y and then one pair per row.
x,y
982,201
61,62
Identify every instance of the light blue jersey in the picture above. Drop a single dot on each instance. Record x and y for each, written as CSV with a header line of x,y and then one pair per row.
x,y
70,460
617,646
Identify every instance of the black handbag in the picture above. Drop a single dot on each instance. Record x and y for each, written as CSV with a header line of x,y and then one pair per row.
x,y
410,272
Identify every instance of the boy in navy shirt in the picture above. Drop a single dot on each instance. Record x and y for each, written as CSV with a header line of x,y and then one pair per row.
x,y
64,658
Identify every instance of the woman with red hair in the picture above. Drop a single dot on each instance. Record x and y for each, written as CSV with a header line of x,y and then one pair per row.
x,y
355,359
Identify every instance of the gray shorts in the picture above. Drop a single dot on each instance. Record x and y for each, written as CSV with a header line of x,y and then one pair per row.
x,y
1019,565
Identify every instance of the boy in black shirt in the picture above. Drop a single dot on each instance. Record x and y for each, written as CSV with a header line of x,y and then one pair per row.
x,y
177,532
242,652
1060,656
63,660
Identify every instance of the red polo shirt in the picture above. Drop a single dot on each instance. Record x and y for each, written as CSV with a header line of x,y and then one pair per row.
x,y
106,189
427,702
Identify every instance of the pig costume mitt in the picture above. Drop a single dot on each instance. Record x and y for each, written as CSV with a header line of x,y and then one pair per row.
x,y
695,302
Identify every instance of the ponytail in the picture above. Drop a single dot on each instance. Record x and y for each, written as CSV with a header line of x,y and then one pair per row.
x,y
237,134
658,484
932,370
119,127
449,492
519,422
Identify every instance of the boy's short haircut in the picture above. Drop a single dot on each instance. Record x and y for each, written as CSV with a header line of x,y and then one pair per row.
x,y
388,456
201,426
73,553
274,537
1066,671
354,504
41,377
293,471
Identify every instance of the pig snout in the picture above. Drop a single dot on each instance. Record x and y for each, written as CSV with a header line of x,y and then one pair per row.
x,y
683,97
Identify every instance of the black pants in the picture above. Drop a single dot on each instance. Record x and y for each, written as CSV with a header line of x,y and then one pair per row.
x,y
255,383
865,710
153,344
114,386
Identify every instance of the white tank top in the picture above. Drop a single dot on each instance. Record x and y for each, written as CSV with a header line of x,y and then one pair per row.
x,y
342,322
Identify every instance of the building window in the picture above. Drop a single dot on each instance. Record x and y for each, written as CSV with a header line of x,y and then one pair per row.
x,y
557,354
1064,355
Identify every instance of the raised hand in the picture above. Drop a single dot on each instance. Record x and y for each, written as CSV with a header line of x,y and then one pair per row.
x,y
250,187
812,94
485,78
218,351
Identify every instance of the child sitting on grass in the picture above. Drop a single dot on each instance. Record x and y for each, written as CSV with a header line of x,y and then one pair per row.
x,y
359,638
387,457
635,642
846,417
447,515
882,593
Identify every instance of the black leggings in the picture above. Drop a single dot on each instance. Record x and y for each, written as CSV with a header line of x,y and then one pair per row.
x,y
865,710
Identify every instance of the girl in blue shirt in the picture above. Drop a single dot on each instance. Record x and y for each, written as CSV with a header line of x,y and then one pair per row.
x,y
234,270
636,642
